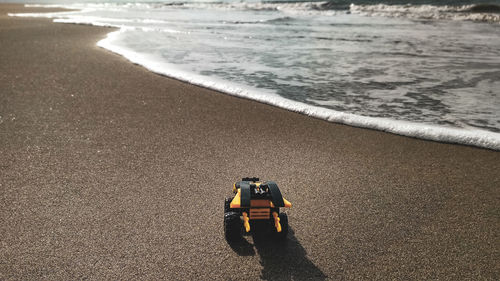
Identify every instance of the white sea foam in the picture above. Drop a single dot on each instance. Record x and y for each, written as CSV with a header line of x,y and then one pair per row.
x,y
43,6
42,15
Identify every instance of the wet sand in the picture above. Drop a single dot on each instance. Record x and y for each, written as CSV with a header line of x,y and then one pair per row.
x,y
109,171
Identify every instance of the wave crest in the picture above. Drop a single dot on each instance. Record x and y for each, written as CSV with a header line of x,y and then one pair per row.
x,y
479,12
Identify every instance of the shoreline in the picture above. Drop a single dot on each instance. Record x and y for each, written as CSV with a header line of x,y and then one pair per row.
x,y
475,137
110,171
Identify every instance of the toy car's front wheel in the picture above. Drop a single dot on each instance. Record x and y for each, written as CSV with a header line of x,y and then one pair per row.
x,y
232,226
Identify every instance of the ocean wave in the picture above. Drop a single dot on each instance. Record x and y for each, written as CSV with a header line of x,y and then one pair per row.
x,y
476,12
259,6
277,20
281,20
479,12
484,8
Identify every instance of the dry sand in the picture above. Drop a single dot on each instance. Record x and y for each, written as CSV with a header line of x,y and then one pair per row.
x,y
109,171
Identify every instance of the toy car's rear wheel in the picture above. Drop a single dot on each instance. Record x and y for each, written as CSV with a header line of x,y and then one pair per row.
x,y
232,226
284,227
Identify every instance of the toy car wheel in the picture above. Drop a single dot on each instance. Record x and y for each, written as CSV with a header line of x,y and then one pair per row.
x,y
284,227
227,205
232,226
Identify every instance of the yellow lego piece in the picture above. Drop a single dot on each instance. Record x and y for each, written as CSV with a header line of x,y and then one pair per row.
x,y
245,222
277,222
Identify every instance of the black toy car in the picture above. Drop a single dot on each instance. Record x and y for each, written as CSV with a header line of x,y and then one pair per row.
x,y
255,202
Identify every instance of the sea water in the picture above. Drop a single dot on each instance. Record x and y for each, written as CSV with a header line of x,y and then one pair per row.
x,y
428,69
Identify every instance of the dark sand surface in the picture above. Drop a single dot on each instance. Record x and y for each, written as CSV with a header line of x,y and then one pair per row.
x,y
108,171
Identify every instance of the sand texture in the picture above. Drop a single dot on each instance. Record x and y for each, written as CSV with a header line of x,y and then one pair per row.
x,y
108,171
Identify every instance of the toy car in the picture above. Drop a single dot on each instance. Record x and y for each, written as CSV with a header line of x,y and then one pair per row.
x,y
255,202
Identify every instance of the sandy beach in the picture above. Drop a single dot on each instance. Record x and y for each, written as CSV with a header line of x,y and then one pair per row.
x,y
109,171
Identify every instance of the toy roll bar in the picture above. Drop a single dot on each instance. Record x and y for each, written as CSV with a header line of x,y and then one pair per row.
x,y
276,196
245,194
